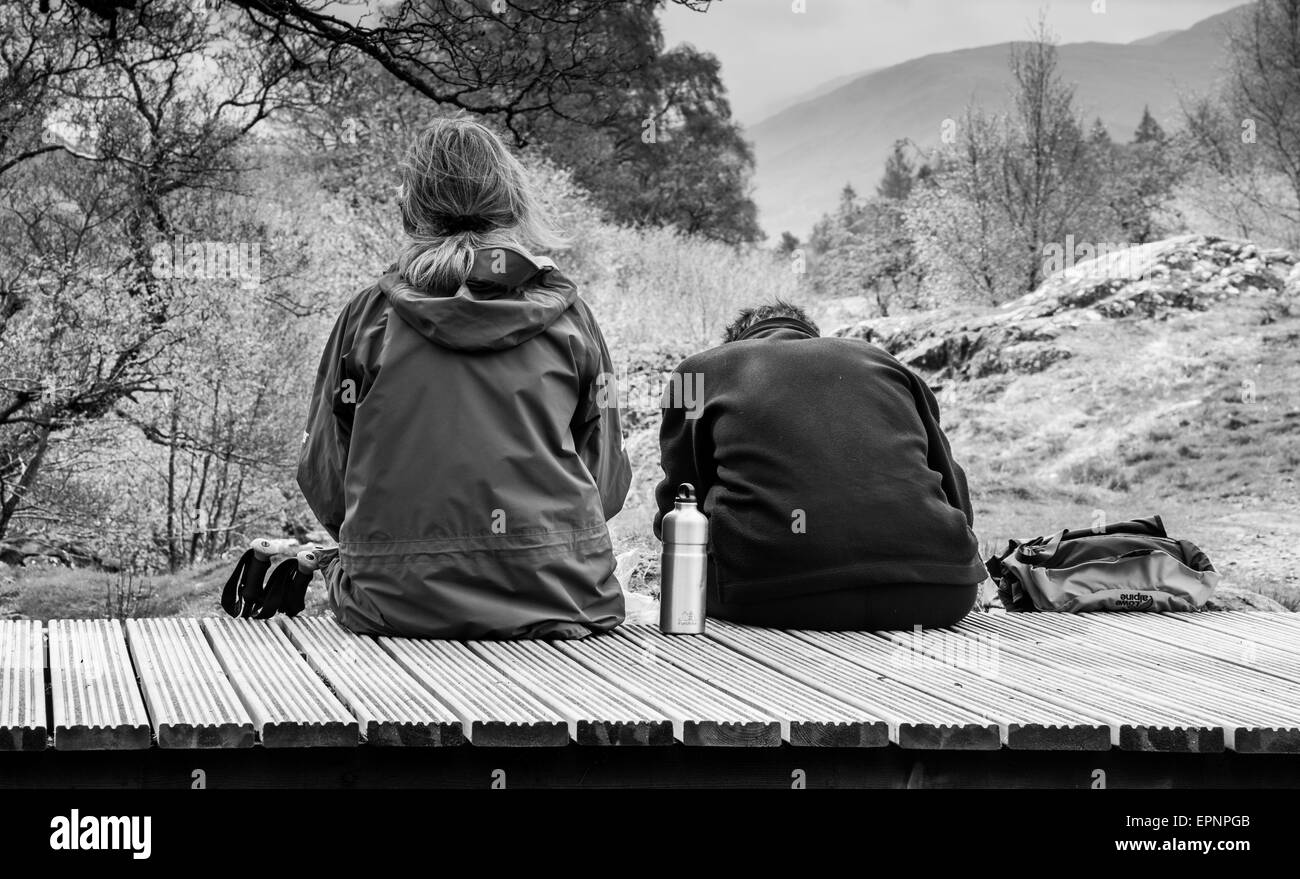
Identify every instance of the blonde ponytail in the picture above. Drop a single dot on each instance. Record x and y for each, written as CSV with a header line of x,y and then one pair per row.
x,y
463,190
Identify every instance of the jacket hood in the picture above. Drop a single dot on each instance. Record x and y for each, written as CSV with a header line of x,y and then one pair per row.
x,y
509,297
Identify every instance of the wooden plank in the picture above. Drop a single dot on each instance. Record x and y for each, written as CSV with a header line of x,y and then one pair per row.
x,y
1282,624
596,711
290,706
966,671
191,702
702,714
97,704
1135,721
1273,635
1148,720
1258,650
392,707
1251,712
915,719
809,716
494,711
23,725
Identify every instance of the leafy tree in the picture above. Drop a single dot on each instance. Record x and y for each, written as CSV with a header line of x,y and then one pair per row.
x,y
647,131
865,247
1135,182
1245,140
1012,185
900,175
1044,180
1149,130
963,239
668,154
112,141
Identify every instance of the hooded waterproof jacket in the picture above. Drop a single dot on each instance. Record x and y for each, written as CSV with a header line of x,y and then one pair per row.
x,y
462,449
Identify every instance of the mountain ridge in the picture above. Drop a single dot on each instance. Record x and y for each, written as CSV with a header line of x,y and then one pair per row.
x,y
806,152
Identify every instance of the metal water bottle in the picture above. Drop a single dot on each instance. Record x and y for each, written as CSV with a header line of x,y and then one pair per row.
x,y
683,566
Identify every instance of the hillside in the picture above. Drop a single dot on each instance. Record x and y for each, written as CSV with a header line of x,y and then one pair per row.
x,y
1177,393
1174,389
806,153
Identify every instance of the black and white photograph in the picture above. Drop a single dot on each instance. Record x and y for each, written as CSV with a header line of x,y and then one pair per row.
x,y
413,395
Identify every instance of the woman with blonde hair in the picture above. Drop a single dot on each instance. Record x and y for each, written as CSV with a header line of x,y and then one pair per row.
x,y
462,445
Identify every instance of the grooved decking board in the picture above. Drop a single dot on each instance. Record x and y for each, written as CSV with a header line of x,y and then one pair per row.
x,y
809,716
966,672
291,707
22,686
191,702
1250,712
97,704
1281,623
391,706
702,714
1135,721
597,712
1258,650
493,710
915,719
1268,642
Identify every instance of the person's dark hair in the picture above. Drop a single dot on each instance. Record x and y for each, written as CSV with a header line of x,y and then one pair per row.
x,y
750,316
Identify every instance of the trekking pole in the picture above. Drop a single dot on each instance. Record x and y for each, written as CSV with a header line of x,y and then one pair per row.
x,y
243,592
286,589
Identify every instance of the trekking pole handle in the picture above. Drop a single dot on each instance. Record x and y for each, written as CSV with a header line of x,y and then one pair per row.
x,y
262,548
308,561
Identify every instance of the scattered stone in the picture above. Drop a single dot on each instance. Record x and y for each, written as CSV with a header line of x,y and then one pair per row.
x,y
1236,598
30,550
1292,285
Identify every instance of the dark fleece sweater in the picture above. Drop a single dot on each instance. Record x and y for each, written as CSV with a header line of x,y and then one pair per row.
x,y
821,466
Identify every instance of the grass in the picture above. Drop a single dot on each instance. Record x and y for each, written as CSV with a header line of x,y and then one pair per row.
x,y
46,593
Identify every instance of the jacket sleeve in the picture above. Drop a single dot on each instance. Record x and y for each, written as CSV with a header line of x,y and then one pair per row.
x,y
940,454
598,427
322,461
685,451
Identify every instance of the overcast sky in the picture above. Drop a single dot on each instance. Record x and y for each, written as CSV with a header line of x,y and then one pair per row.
x,y
771,54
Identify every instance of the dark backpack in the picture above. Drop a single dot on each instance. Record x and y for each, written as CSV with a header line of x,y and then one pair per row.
x,y
1127,566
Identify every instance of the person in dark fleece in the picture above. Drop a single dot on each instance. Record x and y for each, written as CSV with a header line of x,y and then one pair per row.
x,y
459,445
833,498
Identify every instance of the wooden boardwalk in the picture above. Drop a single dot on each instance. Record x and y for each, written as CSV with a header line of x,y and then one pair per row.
x,y
1203,683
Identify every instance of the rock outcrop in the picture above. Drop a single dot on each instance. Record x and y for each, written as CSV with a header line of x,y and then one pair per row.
x,y
1188,273
21,549
1235,598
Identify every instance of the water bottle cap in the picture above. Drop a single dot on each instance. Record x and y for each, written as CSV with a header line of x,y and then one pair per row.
x,y
685,524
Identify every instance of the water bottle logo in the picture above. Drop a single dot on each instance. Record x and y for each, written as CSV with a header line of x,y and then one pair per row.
x,y
686,618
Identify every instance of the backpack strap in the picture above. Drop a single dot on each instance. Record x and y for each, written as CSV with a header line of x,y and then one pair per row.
x,y
251,583
1152,526
277,588
230,597
297,576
